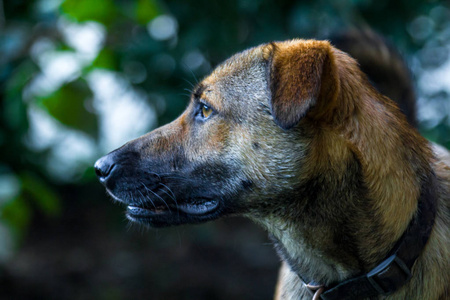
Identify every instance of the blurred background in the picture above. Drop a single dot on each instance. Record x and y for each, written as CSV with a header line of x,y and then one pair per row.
x,y
79,78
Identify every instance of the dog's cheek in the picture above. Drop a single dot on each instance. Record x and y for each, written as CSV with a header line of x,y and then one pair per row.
x,y
247,147
206,141
270,159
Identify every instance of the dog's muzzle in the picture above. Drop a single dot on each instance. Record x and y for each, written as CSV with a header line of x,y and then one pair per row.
x,y
154,194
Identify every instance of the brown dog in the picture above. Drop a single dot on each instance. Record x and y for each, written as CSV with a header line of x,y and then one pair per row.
x,y
293,136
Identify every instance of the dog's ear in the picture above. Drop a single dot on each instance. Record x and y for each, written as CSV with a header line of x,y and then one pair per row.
x,y
302,75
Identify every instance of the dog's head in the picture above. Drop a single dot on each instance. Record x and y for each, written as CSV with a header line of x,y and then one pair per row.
x,y
240,145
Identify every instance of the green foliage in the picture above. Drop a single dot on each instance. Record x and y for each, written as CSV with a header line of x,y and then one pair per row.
x,y
108,12
146,10
17,215
34,193
103,11
68,105
14,111
40,194
106,59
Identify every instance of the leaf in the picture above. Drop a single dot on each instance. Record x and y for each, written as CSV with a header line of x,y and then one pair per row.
x,y
41,194
102,11
17,214
146,10
14,109
106,59
68,106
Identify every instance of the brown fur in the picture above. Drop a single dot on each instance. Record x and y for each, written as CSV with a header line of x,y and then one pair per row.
x,y
302,144
384,66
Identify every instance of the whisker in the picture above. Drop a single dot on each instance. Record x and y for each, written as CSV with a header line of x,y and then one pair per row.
x,y
153,173
188,82
151,201
143,184
169,196
173,198
172,195
129,225
192,73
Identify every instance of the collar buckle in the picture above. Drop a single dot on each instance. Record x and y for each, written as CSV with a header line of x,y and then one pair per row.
x,y
390,275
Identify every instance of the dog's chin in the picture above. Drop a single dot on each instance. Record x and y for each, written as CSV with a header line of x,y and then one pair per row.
x,y
194,211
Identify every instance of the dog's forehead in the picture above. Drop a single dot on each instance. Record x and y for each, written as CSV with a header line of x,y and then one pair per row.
x,y
236,64
242,75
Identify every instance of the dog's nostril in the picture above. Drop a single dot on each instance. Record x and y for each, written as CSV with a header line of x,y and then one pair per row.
x,y
103,167
98,171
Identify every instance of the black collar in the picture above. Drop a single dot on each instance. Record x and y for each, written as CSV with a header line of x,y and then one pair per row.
x,y
395,271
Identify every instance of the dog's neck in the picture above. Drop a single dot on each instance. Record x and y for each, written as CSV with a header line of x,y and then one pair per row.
x,y
322,235
393,272
334,241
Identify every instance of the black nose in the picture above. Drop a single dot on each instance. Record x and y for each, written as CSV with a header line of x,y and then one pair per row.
x,y
103,167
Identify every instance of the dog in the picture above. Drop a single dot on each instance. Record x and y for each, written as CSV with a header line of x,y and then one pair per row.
x,y
294,136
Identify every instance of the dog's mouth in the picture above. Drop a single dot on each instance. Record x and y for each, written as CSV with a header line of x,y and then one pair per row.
x,y
168,214
198,207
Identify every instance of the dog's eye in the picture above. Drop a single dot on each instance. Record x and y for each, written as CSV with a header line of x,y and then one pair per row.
x,y
206,111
